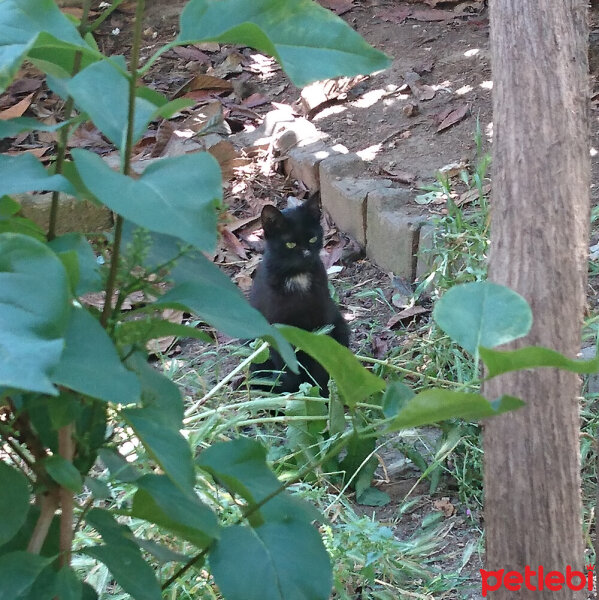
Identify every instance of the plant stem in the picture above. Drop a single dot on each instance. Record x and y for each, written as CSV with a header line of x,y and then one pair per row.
x,y
256,403
118,228
224,381
66,449
63,135
49,503
387,363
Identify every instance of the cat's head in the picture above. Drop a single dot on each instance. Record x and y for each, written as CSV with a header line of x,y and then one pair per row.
x,y
294,235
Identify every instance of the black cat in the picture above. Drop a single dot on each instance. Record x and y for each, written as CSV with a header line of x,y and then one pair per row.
x,y
291,287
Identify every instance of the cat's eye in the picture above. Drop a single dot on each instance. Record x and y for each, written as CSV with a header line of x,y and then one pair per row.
x,y
291,245
312,240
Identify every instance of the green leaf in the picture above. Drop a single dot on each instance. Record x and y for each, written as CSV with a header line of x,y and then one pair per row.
x,y
57,58
18,571
63,472
19,542
395,398
482,314
158,392
213,297
91,365
68,586
504,361
113,533
11,223
100,489
310,42
102,91
34,311
44,586
202,288
355,383
71,266
12,127
120,469
359,460
129,570
8,207
142,330
25,173
20,23
177,196
278,569
240,466
89,276
159,422
161,553
88,592
372,496
165,108
14,501
435,405
192,520
167,446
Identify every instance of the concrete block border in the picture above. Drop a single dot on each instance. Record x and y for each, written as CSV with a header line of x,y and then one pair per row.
x,y
377,215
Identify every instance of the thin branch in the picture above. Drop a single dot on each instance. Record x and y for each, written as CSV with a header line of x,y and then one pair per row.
x,y
49,504
66,449
118,229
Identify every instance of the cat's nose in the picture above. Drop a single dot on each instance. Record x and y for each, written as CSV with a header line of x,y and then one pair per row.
x,y
306,253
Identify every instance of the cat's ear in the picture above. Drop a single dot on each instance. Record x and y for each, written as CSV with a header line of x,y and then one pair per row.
x,y
312,206
272,219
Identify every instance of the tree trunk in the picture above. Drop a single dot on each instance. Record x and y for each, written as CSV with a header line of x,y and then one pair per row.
x,y
539,235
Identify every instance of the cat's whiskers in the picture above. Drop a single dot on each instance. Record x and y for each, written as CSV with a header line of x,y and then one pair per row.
x,y
298,283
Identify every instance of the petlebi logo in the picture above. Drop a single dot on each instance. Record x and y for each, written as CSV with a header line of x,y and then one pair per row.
x,y
537,580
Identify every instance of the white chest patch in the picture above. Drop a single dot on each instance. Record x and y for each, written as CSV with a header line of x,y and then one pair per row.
x,y
298,283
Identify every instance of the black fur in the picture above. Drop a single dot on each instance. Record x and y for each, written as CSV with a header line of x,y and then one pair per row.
x,y
291,287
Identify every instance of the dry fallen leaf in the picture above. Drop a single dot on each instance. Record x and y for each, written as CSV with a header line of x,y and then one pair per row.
x,y
472,195
337,6
191,53
18,109
455,116
233,243
163,135
226,155
37,152
395,15
23,85
203,83
163,344
420,90
379,346
434,14
406,314
398,175
444,505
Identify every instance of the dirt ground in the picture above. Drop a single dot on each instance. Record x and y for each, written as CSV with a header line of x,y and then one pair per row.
x,y
409,121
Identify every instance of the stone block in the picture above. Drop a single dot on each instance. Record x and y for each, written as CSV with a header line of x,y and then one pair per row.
x,y
303,162
73,214
393,230
346,200
338,166
425,245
